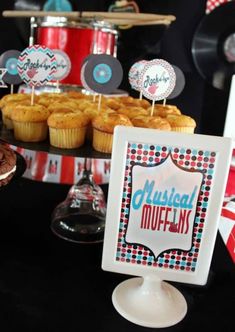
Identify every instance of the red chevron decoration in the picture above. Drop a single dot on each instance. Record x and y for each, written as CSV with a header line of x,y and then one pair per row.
x,y
212,4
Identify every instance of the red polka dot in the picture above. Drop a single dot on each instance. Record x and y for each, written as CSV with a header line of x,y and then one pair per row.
x,y
133,157
139,151
175,155
144,158
208,183
187,268
205,165
187,157
165,265
193,163
163,155
212,160
199,158
181,162
177,267
151,153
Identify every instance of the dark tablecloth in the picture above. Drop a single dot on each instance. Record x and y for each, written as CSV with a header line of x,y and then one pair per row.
x,y
49,284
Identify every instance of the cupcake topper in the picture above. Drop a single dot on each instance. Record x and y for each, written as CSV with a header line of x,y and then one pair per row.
x,y
36,66
63,65
2,73
101,73
134,75
157,80
179,85
9,60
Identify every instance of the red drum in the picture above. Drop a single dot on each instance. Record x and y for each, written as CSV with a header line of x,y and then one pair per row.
x,y
77,39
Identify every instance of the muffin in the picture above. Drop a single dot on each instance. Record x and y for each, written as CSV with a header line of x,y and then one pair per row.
x,y
30,122
13,97
7,164
103,128
181,123
154,122
132,111
67,130
7,111
164,110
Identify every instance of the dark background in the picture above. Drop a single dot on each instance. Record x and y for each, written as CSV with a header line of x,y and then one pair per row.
x,y
50,285
199,99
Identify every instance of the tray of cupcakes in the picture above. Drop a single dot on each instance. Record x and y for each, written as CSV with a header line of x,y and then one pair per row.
x,y
73,123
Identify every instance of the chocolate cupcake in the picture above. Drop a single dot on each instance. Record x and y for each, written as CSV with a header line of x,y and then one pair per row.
x,y
7,164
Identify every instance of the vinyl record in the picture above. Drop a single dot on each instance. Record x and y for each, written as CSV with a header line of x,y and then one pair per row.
x,y
213,46
9,60
103,73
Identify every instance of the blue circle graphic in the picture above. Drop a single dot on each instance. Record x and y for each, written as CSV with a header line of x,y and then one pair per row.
x,y
11,66
102,73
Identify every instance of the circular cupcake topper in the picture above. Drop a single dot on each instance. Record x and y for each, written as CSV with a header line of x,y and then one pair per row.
x,y
9,61
83,81
157,79
36,65
180,83
102,73
63,65
134,74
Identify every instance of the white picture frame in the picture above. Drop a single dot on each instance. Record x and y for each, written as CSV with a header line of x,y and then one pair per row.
x,y
207,155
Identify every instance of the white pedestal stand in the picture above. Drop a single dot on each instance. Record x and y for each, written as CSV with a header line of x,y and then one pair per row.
x,y
149,302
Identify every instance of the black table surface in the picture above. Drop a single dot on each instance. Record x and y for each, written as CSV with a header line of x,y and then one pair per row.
x,y
51,285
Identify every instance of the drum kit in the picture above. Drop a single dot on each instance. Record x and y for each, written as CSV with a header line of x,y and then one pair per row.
x,y
81,217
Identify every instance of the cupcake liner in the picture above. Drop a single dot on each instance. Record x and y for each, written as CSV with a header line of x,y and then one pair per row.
x,y
102,141
30,131
67,138
7,122
188,130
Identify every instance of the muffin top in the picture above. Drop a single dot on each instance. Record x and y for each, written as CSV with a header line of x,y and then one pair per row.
x,y
132,111
164,110
154,122
29,113
13,97
67,120
106,122
181,121
67,104
8,108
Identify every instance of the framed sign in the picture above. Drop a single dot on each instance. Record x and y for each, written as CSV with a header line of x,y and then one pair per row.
x,y
165,195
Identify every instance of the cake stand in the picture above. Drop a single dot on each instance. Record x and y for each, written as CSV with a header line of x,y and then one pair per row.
x,y
80,217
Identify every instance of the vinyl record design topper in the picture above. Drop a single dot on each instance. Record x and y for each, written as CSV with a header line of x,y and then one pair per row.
x,y
9,60
103,73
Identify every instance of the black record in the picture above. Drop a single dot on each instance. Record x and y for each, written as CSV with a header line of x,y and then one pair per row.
x,y
103,73
9,60
213,46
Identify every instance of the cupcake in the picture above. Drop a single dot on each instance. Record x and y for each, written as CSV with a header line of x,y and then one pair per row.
x,y
30,122
181,123
164,110
132,111
7,111
67,130
103,128
154,122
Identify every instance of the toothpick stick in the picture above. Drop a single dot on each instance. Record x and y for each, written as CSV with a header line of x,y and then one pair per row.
x,y
152,109
164,102
32,95
94,97
99,102
58,86
12,89
141,95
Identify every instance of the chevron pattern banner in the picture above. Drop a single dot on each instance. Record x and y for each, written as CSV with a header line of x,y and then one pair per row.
x,y
36,65
212,4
